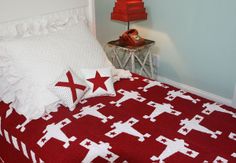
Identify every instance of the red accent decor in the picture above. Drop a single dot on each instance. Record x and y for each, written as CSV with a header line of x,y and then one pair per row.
x,y
129,10
71,84
98,81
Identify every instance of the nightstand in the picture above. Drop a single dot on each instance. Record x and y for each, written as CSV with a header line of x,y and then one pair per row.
x,y
136,59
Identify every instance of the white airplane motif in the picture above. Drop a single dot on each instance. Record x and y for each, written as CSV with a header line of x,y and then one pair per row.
x,y
232,136
173,94
54,131
172,147
47,117
219,159
21,127
127,128
209,108
98,150
159,109
193,124
127,96
93,111
151,84
9,111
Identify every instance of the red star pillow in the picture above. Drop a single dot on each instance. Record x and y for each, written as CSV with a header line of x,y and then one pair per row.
x,y
69,88
99,81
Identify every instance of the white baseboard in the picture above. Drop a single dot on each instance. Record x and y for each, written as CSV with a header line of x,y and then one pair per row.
x,y
198,92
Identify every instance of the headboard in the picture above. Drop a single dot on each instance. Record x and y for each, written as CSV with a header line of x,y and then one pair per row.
x,y
15,10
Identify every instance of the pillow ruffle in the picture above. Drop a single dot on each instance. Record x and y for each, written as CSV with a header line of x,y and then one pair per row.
x,y
42,24
20,93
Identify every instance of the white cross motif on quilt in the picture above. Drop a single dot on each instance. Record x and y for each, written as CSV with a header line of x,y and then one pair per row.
x,y
209,108
128,96
126,127
171,95
160,109
98,150
172,147
151,84
93,111
193,124
54,131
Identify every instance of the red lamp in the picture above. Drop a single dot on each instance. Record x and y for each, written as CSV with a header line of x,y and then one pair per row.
x,y
129,10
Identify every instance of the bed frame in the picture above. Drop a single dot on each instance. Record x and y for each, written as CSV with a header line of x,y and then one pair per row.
x,y
12,10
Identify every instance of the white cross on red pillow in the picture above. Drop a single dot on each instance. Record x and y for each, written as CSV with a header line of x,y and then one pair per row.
x,y
69,88
99,81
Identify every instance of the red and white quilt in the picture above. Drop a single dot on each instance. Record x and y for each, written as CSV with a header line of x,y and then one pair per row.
x,y
146,121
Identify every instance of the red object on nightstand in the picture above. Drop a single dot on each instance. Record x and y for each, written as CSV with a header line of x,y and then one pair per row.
x,y
129,10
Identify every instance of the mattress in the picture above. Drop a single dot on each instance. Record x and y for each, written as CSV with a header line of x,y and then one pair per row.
x,y
146,121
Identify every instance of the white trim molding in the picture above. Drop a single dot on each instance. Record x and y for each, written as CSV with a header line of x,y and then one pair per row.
x,y
234,98
198,92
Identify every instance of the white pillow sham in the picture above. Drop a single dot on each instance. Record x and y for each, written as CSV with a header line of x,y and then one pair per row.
x,y
39,60
42,24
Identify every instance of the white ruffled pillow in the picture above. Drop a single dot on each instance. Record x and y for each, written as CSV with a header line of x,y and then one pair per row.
x,y
39,60
42,24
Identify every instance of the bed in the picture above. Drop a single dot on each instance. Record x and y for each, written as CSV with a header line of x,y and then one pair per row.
x,y
97,114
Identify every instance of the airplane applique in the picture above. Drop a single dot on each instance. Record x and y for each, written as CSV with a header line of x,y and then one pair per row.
x,y
209,108
21,127
171,95
9,111
151,84
127,128
54,131
127,96
47,117
220,159
93,111
172,147
232,136
98,150
159,109
193,124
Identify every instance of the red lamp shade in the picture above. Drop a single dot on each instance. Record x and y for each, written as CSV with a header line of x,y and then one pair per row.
x,y
129,10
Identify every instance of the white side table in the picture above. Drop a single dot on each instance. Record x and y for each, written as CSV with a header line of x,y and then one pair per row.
x,y
136,59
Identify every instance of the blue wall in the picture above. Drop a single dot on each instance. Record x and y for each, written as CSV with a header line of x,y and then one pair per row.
x,y
196,40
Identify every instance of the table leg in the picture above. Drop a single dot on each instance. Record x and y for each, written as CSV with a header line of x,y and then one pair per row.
x,y
151,65
132,62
